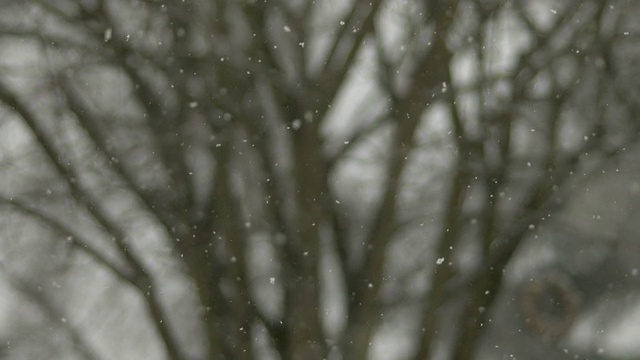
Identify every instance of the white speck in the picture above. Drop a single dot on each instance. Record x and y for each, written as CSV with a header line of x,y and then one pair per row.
x,y
127,37
626,33
234,259
107,34
301,44
305,253
296,124
531,226
193,104
308,116
247,224
272,280
370,285
634,272
528,163
341,22
444,87
439,261
553,11
287,29
337,201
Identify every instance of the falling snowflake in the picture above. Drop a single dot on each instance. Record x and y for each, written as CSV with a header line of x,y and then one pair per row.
x,y
107,34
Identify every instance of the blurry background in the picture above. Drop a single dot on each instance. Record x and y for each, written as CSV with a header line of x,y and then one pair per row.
x,y
335,179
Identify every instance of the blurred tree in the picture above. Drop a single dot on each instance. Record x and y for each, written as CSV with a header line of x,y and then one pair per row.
x,y
280,179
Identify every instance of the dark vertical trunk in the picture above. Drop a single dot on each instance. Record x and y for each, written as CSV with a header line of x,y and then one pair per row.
x,y
305,337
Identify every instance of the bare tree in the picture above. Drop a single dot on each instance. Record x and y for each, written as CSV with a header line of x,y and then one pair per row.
x,y
278,178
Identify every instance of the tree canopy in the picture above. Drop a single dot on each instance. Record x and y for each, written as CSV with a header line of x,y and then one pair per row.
x,y
292,179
